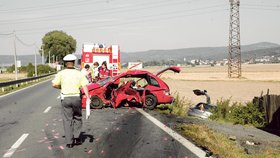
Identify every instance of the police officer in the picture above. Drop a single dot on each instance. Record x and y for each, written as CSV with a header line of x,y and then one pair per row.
x,y
69,81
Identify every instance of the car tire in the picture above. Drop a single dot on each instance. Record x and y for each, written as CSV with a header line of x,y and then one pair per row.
x,y
96,102
150,101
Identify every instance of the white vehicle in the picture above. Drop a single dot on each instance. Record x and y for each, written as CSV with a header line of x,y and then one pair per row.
x,y
197,111
201,109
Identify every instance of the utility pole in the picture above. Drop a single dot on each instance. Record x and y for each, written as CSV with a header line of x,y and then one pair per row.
x,y
35,63
43,57
15,55
234,59
49,58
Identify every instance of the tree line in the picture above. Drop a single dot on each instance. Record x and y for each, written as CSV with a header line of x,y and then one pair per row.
x,y
30,69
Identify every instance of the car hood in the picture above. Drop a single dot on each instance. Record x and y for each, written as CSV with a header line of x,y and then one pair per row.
x,y
91,87
175,69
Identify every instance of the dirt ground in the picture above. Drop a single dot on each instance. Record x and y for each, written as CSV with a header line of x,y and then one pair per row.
x,y
255,79
8,76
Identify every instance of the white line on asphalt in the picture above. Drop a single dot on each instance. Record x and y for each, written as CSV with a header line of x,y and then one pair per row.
x,y
194,149
24,88
11,151
47,109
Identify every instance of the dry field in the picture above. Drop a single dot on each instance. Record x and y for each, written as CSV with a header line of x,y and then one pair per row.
x,y
255,79
7,76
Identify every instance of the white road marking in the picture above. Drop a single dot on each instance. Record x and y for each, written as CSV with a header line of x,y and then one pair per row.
x,y
47,109
194,149
11,151
24,88
58,97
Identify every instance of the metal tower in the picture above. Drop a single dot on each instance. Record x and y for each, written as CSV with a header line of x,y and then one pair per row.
x,y
234,59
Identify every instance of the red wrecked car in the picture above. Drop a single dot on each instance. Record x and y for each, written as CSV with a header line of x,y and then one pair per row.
x,y
134,87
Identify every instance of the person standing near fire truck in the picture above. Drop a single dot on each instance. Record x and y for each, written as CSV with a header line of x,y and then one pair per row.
x,y
87,72
69,81
95,72
103,71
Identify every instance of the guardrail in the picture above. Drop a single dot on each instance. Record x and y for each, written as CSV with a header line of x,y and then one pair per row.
x,y
16,82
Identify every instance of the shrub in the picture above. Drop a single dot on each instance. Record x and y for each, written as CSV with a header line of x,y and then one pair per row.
x,y
44,69
222,110
179,107
238,113
248,114
11,69
30,69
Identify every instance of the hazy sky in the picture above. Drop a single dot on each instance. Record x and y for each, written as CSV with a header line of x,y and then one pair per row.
x,y
136,25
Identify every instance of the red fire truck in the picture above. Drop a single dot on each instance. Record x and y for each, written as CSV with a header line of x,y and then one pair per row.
x,y
92,53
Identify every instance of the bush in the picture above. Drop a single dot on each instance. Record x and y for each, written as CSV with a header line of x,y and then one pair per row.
x,y
239,113
248,114
11,69
44,69
30,69
222,110
179,106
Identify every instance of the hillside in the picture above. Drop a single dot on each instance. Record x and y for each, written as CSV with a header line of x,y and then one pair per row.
x,y
8,60
262,52
213,53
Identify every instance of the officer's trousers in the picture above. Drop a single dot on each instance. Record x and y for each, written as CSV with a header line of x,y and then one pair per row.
x,y
72,117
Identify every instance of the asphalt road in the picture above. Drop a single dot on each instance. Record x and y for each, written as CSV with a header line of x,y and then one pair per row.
x,y
31,127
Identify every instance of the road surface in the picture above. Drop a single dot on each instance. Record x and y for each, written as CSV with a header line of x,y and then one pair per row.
x,y
31,126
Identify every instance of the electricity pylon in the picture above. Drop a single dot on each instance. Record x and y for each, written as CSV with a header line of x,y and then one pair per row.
x,y
234,59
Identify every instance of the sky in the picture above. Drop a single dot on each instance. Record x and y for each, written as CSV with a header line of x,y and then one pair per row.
x,y
135,25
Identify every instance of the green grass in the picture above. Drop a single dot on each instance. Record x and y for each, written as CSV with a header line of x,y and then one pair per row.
x,y
179,107
219,144
239,113
4,79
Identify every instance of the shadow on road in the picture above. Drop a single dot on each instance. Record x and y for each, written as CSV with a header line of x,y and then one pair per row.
x,y
85,136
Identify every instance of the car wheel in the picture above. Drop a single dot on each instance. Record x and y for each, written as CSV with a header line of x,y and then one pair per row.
x,y
150,102
96,102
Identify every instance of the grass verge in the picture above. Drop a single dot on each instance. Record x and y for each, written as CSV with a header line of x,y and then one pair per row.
x,y
219,144
21,86
179,107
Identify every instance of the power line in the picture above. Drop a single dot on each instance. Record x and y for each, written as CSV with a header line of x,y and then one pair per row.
x,y
23,43
157,16
134,21
261,5
274,7
52,6
143,6
257,8
6,34
59,5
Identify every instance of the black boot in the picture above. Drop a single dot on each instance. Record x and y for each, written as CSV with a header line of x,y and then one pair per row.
x,y
77,141
69,145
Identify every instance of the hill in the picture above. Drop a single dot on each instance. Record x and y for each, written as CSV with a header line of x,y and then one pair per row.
x,y
212,53
8,60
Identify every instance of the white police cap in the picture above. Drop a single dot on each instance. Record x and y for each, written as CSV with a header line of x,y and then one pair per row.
x,y
69,57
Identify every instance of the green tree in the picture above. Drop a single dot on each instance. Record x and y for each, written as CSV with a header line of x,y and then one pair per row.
x,y
30,70
11,69
59,44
